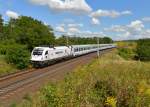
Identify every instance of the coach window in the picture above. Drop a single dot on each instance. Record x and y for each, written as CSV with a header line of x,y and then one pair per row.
x,y
46,53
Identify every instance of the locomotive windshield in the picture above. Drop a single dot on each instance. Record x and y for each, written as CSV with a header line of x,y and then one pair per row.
x,y
37,51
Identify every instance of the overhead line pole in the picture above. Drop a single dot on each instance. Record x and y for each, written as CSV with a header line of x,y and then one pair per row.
x,y
98,47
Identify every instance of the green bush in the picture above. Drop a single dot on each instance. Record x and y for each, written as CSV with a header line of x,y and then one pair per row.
x,y
18,55
143,49
4,46
102,90
126,53
50,96
3,49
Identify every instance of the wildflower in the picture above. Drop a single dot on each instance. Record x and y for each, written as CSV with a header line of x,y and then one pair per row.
x,y
111,101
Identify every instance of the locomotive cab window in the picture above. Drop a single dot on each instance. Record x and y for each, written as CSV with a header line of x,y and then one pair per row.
x,y
37,52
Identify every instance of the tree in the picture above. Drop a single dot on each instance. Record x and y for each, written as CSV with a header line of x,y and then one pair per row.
x,y
82,40
143,49
61,40
31,32
18,55
1,27
107,40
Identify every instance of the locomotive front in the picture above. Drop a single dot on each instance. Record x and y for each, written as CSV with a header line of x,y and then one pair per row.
x,y
38,56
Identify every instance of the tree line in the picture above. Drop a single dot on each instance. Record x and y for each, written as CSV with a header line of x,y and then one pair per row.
x,y
19,36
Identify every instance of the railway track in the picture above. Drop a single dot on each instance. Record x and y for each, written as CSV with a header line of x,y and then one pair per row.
x,y
19,83
25,80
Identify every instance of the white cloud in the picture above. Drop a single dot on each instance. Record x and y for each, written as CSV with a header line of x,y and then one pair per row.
x,y
127,12
12,14
60,29
146,19
74,6
116,28
137,25
71,27
108,13
75,25
73,30
95,21
134,30
146,33
134,26
39,2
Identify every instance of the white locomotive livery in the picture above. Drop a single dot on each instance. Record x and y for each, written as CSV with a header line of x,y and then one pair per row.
x,y
45,55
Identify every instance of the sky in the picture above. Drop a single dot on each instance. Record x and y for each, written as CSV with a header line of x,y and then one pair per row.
x,y
120,20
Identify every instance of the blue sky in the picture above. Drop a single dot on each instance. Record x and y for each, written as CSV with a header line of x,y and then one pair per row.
x,y
122,19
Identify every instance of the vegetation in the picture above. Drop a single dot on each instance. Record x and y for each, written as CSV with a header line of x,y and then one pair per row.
x,y
127,50
18,55
27,33
1,25
138,50
99,84
79,40
143,49
5,68
127,53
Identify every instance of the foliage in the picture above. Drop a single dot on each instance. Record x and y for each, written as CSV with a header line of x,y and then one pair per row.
x,y
5,68
28,31
126,44
1,24
143,49
50,96
1,27
4,46
127,49
18,55
100,84
127,53
81,40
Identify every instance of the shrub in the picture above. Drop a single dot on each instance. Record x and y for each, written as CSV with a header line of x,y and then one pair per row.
x,y
18,55
143,49
4,46
50,96
3,49
102,90
126,53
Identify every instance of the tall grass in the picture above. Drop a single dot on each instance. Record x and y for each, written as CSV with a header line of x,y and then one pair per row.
x,y
6,68
109,81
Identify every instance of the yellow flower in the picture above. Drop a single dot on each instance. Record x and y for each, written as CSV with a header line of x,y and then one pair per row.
x,y
142,87
111,101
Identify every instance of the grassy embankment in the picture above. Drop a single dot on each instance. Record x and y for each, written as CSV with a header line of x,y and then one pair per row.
x,y
127,50
5,68
110,81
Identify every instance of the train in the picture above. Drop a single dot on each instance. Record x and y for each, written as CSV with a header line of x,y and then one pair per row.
x,y
45,55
